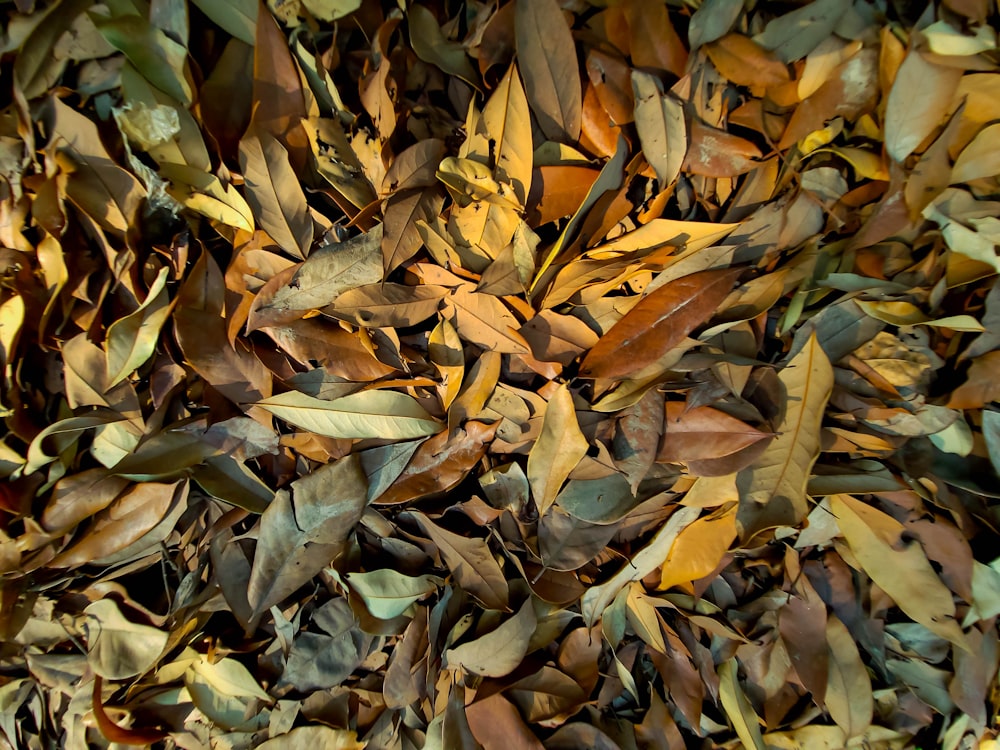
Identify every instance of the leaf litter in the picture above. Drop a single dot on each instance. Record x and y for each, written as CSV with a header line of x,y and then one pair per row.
x,y
460,374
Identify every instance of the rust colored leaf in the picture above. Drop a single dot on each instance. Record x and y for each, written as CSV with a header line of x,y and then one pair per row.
x,y
233,370
497,725
558,191
658,323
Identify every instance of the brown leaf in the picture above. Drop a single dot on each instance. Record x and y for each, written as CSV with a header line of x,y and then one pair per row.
x,y
80,496
201,333
304,529
387,305
415,167
485,321
909,119
279,104
498,726
274,192
658,323
401,238
133,523
440,463
342,353
981,385
700,435
470,561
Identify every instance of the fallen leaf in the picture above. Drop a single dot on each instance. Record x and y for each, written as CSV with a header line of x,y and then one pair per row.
x,y
274,193
500,651
658,323
547,57
699,548
910,119
303,530
358,415
470,561
775,484
899,568
558,449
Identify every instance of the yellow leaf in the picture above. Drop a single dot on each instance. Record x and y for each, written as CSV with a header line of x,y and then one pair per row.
x,y
559,448
899,568
777,480
508,121
738,708
848,688
910,118
698,549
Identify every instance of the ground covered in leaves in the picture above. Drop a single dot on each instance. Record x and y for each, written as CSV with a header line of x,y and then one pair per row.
x,y
518,374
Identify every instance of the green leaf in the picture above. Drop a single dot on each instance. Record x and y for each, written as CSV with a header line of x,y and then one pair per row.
x,y
303,530
388,593
236,17
161,60
367,414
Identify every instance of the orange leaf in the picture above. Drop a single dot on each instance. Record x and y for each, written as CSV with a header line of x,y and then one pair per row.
x,y
746,63
115,733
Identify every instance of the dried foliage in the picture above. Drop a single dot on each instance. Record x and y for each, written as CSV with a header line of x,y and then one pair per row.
x,y
499,374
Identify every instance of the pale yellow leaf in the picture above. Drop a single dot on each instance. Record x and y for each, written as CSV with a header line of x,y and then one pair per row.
x,y
559,448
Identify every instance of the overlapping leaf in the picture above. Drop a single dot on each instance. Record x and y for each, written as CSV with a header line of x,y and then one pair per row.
x,y
674,317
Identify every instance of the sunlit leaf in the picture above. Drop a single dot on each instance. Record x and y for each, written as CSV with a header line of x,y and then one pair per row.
x,y
118,648
384,414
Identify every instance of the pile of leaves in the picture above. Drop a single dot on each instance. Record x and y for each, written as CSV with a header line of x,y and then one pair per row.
x,y
501,373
